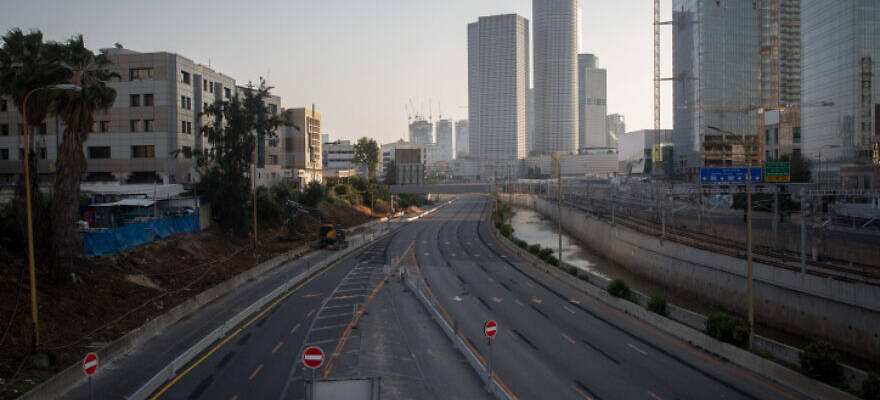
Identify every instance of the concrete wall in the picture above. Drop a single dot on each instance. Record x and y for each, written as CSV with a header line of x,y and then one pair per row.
x,y
845,314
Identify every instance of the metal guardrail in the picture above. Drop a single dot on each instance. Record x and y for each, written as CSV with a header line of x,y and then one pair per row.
x,y
417,286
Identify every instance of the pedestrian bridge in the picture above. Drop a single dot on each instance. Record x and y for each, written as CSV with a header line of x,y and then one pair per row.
x,y
444,188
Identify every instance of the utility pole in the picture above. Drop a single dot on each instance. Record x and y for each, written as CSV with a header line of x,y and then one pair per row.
x,y
559,207
749,248
495,179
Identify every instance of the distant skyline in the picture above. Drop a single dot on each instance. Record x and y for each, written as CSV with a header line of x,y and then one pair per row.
x,y
359,62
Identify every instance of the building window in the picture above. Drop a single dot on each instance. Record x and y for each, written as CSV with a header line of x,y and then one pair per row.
x,y
211,87
273,160
204,84
187,152
148,99
140,73
43,130
183,102
99,152
189,127
135,100
3,108
148,125
184,77
148,151
189,104
4,154
227,93
135,125
182,126
4,129
105,126
796,134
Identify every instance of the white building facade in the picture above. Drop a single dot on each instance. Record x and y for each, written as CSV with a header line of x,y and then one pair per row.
x,y
592,103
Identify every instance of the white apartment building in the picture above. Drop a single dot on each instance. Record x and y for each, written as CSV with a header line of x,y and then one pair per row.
x,y
301,145
148,134
556,116
498,77
592,103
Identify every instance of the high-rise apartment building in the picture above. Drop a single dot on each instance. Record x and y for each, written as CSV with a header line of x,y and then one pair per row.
x,y
840,60
530,121
716,62
780,52
421,131
498,77
462,133
556,115
444,139
592,103
301,135
616,125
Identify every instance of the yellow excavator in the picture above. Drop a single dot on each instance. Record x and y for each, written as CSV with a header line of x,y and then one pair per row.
x,y
332,236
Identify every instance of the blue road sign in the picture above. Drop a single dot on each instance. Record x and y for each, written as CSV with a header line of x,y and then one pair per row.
x,y
729,175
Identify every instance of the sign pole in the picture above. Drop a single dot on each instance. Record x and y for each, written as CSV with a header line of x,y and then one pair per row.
x,y
489,378
312,386
91,392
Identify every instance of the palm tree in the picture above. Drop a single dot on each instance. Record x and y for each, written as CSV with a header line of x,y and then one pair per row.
x,y
77,108
26,65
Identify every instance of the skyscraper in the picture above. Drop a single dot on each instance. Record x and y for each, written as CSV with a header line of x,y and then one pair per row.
x,y
841,56
462,131
616,125
498,77
444,139
556,116
421,131
591,102
716,62
780,52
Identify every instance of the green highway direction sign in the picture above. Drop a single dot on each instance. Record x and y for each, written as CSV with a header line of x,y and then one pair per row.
x,y
777,172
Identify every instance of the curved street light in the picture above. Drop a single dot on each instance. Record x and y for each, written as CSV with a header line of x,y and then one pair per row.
x,y
27,191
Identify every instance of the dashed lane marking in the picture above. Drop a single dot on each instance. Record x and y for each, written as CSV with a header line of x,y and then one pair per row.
x,y
570,340
568,309
632,346
310,313
654,396
294,329
256,371
277,346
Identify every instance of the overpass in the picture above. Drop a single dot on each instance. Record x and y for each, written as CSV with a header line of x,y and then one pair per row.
x,y
445,188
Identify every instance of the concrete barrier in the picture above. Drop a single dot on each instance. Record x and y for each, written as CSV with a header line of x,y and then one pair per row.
x,y
694,337
845,314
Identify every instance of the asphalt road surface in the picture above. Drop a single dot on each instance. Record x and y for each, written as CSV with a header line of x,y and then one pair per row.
x,y
555,342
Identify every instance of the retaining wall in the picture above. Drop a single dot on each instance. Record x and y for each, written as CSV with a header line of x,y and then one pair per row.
x,y
845,314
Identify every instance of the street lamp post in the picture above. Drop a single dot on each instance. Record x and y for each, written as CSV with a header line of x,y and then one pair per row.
x,y
750,266
27,195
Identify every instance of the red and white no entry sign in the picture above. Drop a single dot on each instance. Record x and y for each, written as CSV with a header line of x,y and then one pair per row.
x,y
313,357
90,364
491,328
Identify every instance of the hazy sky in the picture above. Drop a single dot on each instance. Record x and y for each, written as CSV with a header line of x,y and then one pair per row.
x,y
358,61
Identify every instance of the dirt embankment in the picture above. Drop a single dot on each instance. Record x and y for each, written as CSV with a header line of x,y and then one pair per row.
x,y
113,294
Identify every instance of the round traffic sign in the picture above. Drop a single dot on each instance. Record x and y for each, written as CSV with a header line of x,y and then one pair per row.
x,y
313,357
90,364
491,329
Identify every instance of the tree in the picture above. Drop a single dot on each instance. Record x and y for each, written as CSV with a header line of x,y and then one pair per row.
x,y
366,153
26,65
90,73
231,137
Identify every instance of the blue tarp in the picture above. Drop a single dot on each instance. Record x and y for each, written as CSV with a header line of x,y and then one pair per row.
x,y
114,240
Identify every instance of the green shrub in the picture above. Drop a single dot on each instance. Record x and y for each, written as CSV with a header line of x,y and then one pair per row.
x,y
871,387
506,230
551,259
819,361
522,244
571,270
619,288
535,249
545,253
657,304
726,328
